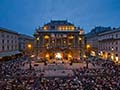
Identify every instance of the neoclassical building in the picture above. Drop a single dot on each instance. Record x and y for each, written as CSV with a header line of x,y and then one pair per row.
x,y
59,39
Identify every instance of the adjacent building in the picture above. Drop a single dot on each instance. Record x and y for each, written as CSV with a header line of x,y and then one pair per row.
x,y
109,44
92,37
105,41
12,43
24,42
8,42
59,39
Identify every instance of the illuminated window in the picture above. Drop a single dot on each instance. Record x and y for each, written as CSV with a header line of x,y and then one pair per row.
x,y
59,28
45,28
53,41
46,36
47,55
64,42
71,37
81,32
66,28
72,28
63,28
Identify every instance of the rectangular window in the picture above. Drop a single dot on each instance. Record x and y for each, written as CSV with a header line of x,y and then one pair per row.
x,y
116,35
116,48
3,35
11,41
3,41
7,41
7,36
112,43
16,47
112,36
116,54
2,48
8,48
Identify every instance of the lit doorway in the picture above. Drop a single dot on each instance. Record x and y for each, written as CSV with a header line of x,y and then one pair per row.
x,y
58,56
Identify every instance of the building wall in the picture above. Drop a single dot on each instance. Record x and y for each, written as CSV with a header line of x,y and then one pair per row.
x,y
93,42
24,40
57,42
59,36
107,43
8,41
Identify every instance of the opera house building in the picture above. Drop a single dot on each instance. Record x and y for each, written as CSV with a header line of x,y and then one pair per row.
x,y
59,40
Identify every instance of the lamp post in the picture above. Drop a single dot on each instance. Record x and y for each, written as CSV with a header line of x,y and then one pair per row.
x,y
29,46
29,49
87,54
37,40
116,58
80,40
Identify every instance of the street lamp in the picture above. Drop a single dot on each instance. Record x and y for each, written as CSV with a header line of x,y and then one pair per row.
x,y
87,54
88,46
112,54
84,56
29,46
29,49
117,59
80,40
87,49
37,40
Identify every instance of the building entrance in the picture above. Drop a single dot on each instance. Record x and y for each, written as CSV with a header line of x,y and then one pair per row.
x,y
59,56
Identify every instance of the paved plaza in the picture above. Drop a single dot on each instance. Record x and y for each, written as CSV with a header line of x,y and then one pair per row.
x,y
57,69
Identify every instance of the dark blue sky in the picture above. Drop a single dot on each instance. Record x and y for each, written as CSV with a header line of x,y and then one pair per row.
x,y
25,15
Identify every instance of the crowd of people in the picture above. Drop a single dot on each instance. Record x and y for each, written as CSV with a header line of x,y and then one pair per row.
x,y
12,77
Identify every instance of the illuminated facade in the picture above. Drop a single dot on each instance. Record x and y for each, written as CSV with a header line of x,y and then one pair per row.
x,y
59,39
